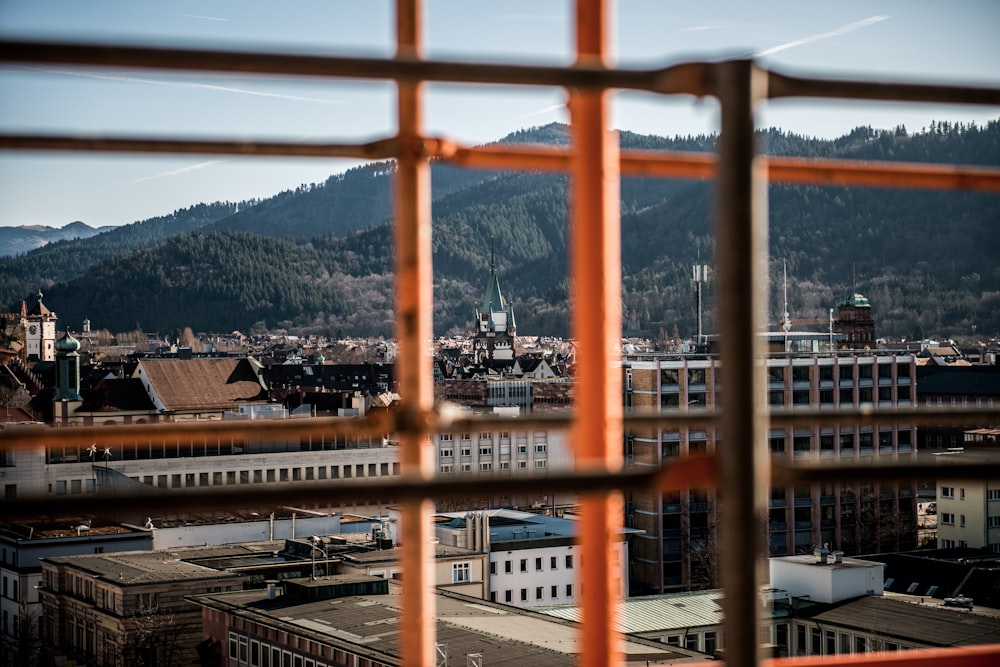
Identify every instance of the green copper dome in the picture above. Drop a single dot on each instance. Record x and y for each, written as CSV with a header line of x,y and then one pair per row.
x,y
67,344
856,300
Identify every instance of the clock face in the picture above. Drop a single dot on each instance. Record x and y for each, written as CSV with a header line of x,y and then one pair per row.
x,y
32,329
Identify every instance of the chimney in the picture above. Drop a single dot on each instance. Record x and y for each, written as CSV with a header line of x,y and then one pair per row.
x,y
271,590
822,554
838,557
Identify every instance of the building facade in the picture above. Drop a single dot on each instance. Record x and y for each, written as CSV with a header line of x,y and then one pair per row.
x,y
679,545
125,609
969,510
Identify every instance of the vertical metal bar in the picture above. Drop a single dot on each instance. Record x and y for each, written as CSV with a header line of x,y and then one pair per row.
x,y
414,307
596,306
741,242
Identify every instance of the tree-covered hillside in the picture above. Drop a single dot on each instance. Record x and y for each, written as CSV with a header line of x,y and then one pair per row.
x,y
926,259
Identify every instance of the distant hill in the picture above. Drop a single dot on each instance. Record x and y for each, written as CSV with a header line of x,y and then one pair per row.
x,y
25,238
319,258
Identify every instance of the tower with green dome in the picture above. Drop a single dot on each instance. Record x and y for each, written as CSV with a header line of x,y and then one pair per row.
x,y
854,320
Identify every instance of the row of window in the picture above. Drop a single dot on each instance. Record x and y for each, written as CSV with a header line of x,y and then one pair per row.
x,y
487,466
830,642
670,377
153,451
487,450
508,565
540,436
508,594
230,477
255,653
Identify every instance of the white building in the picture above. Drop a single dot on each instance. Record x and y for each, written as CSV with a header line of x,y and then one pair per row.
x,y
533,559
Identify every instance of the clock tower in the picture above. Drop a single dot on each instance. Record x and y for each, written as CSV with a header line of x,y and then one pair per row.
x,y
40,333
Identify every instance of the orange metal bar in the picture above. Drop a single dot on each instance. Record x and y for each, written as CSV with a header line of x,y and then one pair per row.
x,y
814,171
965,656
596,313
414,308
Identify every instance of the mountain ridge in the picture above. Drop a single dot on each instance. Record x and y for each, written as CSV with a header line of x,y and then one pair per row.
x,y
924,257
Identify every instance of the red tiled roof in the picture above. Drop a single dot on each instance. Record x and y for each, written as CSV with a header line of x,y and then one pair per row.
x,y
203,384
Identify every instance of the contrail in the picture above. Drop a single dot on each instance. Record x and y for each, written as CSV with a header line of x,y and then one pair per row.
x,y
190,84
554,107
174,172
851,27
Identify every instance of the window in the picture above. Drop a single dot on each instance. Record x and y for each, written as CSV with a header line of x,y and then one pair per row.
x,y
569,590
540,448
541,463
569,561
461,573
993,494
948,518
447,453
524,565
508,566
486,466
961,520
538,592
691,641
524,595
993,522
538,564
553,563
555,592
947,491
508,596
493,567
961,494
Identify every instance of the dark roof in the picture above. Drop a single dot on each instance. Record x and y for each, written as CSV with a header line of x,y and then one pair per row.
x,y
117,395
910,622
948,575
958,380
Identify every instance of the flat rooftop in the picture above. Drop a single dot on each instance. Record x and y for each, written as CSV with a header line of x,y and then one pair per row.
x,y
506,636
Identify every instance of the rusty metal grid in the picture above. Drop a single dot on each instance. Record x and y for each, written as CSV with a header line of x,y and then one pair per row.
x,y
594,164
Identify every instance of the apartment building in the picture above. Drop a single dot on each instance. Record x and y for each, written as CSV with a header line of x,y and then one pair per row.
x,y
969,510
679,545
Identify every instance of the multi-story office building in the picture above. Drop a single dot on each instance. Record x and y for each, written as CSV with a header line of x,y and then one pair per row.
x,y
679,545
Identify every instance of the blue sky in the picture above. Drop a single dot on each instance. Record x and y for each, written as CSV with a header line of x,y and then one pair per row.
x,y
915,40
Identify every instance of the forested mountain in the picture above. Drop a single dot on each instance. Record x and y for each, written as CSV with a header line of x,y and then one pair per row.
x,y
926,259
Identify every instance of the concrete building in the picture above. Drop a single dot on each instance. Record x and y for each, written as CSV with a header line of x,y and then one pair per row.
x,y
676,550
969,510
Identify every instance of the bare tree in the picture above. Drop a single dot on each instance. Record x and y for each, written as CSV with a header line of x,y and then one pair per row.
x,y
149,639
24,647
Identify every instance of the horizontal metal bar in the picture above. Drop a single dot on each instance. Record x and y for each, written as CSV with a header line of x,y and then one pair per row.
x,y
694,78
448,419
686,472
783,85
637,163
375,150
691,78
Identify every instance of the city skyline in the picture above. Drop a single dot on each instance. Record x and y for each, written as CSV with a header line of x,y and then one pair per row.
x,y
912,41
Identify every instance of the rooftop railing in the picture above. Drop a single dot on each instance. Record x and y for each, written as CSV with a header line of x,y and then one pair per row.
x,y
594,163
